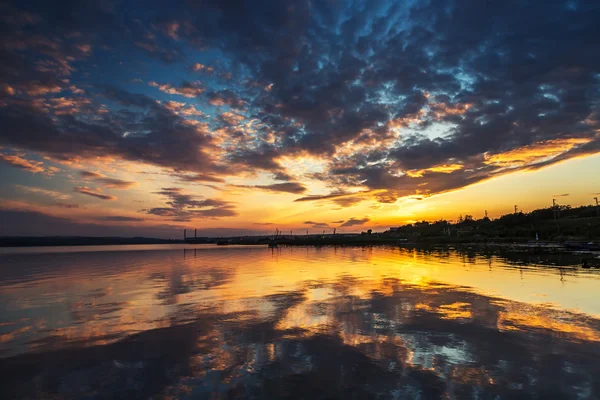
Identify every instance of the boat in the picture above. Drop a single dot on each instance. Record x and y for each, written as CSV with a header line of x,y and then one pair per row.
x,y
222,242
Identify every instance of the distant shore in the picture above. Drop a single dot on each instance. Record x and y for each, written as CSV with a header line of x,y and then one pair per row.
x,y
25,241
315,240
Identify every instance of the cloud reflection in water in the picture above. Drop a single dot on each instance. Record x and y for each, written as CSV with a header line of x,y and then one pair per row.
x,y
295,323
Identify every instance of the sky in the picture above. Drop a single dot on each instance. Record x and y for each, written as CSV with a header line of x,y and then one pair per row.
x,y
143,118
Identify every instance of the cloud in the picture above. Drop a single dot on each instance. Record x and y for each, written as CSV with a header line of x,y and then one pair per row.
x,y
286,187
144,131
167,54
231,118
18,161
20,222
66,205
198,67
183,109
317,224
335,195
343,199
405,98
181,206
44,192
225,97
120,218
534,153
91,192
355,222
112,183
199,178
186,89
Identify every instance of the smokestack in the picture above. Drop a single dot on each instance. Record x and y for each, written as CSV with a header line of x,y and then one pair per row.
x,y
184,233
194,233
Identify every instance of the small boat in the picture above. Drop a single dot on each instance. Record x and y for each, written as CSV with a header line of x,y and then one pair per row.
x,y
222,242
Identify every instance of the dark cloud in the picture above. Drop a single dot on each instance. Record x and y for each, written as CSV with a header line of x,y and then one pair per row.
x,y
335,195
287,187
120,218
225,97
145,131
389,94
355,222
91,192
199,178
181,206
112,183
499,82
32,223
317,224
342,199
262,157
282,176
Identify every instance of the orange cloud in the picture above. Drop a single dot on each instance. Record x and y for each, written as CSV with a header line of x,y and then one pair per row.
x,y
232,118
443,169
8,90
188,89
440,110
181,108
66,106
18,161
538,152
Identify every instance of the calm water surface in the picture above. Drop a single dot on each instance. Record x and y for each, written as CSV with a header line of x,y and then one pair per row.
x,y
317,323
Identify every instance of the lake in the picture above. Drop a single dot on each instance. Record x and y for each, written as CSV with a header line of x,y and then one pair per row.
x,y
228,322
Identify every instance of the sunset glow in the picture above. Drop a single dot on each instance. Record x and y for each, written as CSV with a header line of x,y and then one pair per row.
x,y
131,119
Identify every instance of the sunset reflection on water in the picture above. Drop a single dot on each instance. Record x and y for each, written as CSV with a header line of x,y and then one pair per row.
x,y
251,322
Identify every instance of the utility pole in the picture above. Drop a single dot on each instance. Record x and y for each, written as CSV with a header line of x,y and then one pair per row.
x,y
554,208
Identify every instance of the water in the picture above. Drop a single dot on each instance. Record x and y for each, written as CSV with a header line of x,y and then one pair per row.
x,y
216,322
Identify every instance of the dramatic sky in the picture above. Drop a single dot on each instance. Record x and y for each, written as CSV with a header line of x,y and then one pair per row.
x,y
145,117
